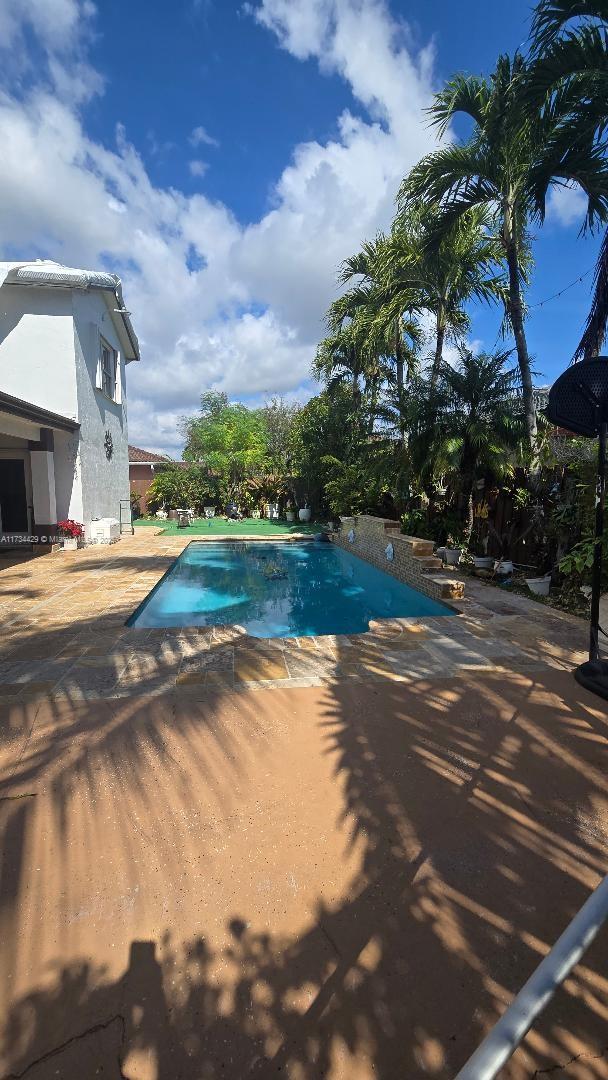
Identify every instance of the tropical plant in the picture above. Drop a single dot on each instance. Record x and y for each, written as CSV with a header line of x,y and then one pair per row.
x,y
229,439
498,169
321,429
467,424
440,270
176,484
568,80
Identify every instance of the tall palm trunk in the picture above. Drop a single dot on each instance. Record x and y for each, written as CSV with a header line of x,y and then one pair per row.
x,y
467,481
399,365
439,342
517,321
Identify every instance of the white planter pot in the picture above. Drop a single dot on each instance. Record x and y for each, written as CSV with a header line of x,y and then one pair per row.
x,y
209,511
290,515
452,556
70,543
504,566
304,513
256,514
483,562
539,585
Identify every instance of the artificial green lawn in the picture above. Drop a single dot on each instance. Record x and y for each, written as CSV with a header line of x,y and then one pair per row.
x,y
219,527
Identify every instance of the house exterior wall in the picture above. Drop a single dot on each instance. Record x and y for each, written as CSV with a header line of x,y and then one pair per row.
x,y
37,361
49,350
141,476
104,482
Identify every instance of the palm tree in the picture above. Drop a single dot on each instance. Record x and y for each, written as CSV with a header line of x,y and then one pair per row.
x,y
568,79
392,329
388,339
446,275
475,424
495,169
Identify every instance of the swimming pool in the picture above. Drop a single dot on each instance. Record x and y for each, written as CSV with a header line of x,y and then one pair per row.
x,y
278,590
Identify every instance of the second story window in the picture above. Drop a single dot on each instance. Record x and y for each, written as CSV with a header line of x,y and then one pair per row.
x,y
108,370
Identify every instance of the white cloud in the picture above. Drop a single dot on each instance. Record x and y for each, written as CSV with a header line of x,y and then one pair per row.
x,y
200,135
214,304
198,168
567,205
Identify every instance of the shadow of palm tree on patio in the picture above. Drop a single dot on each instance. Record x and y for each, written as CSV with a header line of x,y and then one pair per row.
x,y
471,825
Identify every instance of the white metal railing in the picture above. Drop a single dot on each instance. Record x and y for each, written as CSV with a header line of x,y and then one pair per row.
x,y
506,1035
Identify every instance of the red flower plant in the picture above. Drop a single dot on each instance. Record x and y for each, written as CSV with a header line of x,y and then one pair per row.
x,y
70,528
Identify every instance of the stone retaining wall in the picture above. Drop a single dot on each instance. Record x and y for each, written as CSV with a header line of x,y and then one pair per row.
x,y
414,562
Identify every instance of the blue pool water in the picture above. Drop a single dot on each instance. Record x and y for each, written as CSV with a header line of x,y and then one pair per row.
x,y
278,590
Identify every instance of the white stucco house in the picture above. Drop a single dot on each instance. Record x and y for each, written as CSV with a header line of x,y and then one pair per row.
x,y
65,342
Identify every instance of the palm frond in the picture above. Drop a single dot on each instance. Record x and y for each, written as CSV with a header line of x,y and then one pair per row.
x,y
462,94
551,16
594,333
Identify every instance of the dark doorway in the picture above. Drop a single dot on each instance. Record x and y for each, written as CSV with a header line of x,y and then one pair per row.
x,y
13,498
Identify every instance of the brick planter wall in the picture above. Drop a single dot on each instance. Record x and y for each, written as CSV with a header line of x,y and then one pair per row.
x,y
414,563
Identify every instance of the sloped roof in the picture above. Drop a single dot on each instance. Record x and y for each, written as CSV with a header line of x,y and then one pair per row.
x,y
53,274
138,455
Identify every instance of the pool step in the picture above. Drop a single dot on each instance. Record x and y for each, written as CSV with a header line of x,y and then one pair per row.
x,y
428,562
415,546
450,588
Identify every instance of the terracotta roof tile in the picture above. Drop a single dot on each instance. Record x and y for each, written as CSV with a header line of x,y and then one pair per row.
x,y
135,454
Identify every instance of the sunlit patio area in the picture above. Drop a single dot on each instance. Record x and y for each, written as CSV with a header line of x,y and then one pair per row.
x,y
315,857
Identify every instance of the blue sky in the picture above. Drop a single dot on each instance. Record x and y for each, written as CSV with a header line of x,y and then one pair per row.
x,y
224,156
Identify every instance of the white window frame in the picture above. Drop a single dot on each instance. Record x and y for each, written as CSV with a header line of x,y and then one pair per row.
x,y
108,372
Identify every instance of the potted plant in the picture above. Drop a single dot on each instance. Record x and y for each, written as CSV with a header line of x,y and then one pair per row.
x,y
290,511
539,585
304,511
453,547
511,535
71,533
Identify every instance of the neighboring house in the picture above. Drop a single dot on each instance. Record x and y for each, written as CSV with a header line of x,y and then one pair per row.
x,y
65,341
141,472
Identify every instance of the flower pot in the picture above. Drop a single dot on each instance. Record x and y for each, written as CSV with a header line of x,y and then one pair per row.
x,y
452,556
290,515
256,514
209,511
504,566
539,585
70,543
304,513
483,562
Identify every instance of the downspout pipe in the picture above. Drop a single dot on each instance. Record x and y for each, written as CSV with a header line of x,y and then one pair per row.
x,y
511,1029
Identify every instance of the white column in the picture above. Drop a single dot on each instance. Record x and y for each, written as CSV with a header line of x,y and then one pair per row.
x,y
43,487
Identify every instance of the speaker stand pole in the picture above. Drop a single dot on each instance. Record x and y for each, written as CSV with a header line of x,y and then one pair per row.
x,y
596,581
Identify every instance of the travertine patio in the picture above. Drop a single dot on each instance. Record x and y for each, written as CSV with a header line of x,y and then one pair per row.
x,y
327,858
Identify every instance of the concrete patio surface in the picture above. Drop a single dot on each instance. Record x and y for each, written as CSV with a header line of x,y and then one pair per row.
x,y
307,858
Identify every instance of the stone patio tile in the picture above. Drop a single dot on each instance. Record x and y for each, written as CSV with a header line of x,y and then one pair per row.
x,y
227,634
33,689
22,672
456,653
304,664
220,659
210,683
405,643
94,679
257,668
347,670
